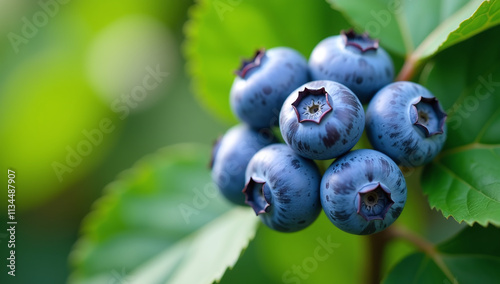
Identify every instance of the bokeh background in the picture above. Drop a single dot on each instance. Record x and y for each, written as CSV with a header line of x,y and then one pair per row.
x,y
63,80
72,118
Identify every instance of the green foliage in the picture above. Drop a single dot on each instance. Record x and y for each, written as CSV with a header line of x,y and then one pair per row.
x,y
417,27
462,182
472,256
220,242
486,16
149,209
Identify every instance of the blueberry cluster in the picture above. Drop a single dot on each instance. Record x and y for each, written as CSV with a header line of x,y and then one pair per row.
x,y
318,106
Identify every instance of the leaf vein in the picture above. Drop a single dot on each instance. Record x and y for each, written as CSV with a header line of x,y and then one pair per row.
x,y
458,178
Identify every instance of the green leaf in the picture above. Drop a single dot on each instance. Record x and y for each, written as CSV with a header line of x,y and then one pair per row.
x,y
463,180
221,33
472,256
224,238
474,240
401,28
486,16
154,212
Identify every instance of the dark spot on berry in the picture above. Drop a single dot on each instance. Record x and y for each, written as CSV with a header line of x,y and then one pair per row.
x,y
295,164
344,166
345,115
362,63
347,77
396,212
394,134
281,216
340,216
284,199
370,229
332,135
349,128
293,126
359,80
386,167
267,90
369,170
300,146
388,72
301,222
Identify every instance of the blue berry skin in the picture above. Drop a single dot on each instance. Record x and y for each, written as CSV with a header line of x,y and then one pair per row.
x,y
355,61
406,122
283,188
264,83
230,157
321,129
363,192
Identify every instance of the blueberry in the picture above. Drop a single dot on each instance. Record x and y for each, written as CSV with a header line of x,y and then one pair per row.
x,y
354,60
322,120
407,123
363,192
231,155
283,188
264,82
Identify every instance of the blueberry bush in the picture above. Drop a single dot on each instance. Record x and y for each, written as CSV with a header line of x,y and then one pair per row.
x,y
168,213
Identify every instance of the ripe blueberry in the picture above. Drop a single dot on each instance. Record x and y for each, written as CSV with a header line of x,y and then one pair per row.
x,y
283,188
264,82
363,192
353,60
231,155
406,122
322,120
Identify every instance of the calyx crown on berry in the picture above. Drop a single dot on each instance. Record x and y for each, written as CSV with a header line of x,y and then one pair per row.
x,y
374,201
361,41
312,105
256,197
428,116
247,65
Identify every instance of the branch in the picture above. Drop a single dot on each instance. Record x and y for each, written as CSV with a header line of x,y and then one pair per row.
x,y
423,245
373,263
408,70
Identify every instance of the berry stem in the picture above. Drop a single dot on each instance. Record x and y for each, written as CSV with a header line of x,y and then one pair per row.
x,y
373,265
422,244
408,70
398,232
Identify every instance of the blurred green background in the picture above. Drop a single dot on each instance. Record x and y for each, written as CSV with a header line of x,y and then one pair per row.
x,y
87,88
60,76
